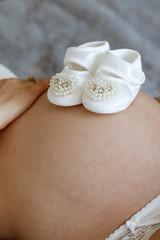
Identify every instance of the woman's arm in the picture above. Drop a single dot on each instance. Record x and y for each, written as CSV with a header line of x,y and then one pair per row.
x,y
16,96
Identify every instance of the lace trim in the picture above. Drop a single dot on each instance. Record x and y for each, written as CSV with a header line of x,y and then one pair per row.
x,y
141,233
124,227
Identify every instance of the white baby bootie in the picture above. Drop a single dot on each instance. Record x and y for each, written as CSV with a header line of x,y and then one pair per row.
x,y
116,83
66,88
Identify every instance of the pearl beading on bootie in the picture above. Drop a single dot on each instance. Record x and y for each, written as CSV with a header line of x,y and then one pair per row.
x,y
98,89
63,84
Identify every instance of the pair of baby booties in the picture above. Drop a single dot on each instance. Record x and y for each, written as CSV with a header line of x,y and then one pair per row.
x,y
104,81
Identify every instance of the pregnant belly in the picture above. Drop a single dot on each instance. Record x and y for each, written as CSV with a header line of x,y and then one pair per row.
x,y
69,172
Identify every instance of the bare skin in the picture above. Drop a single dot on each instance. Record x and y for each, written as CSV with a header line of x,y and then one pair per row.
x,y
67,173
17,95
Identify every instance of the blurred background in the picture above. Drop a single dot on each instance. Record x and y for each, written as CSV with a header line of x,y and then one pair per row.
x,y
34,34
